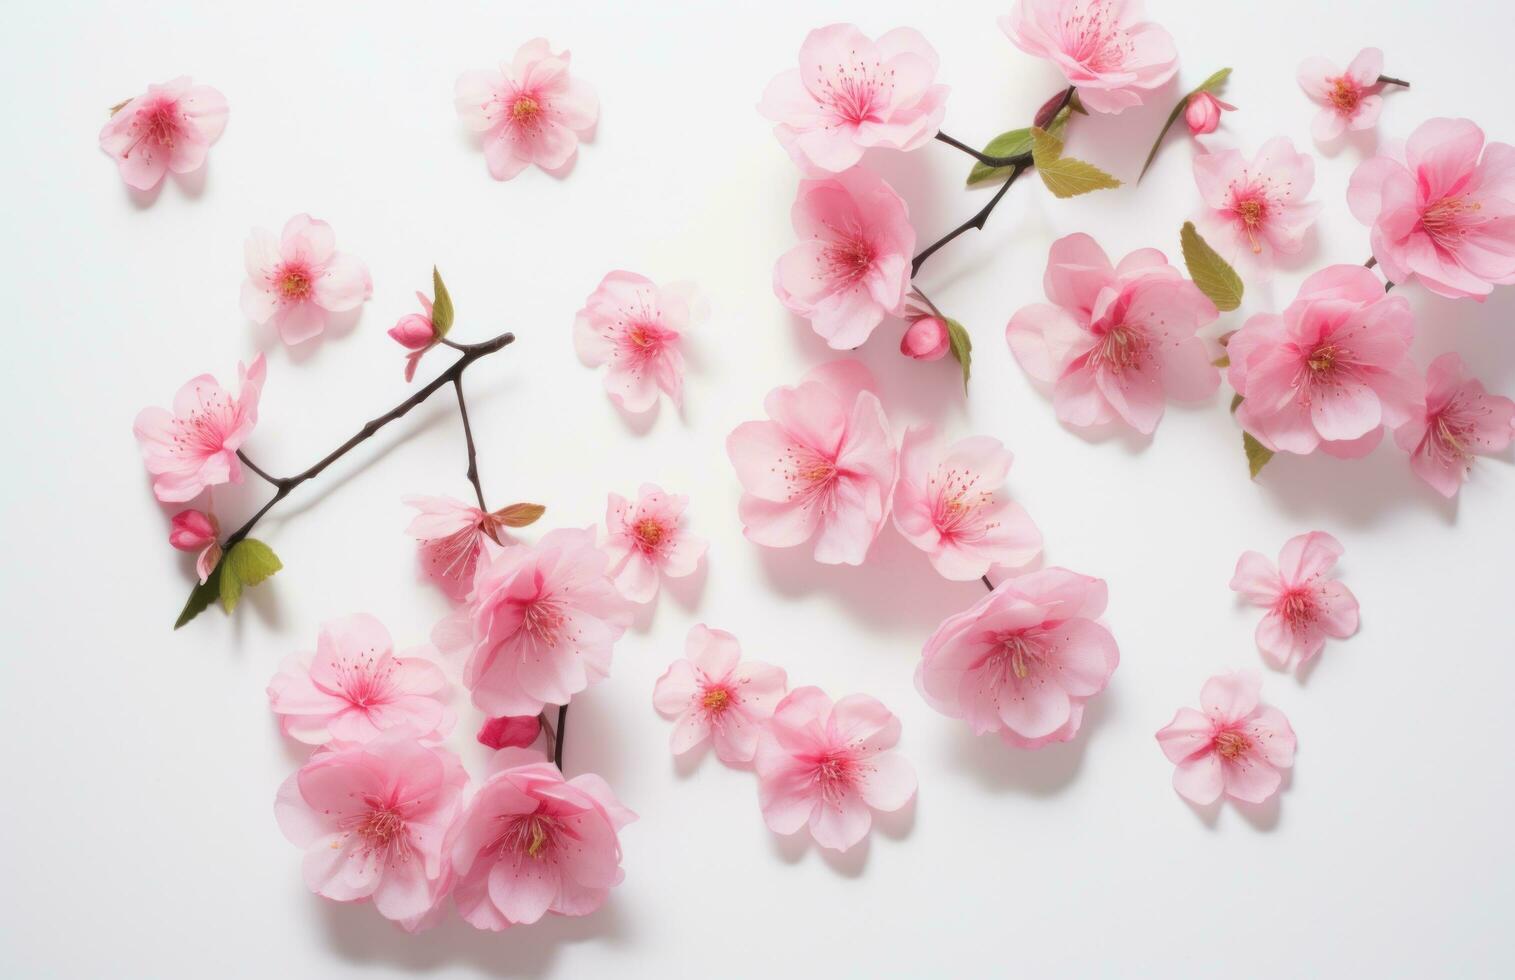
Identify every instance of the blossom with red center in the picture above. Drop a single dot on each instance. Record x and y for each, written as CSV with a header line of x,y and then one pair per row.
x,y
1103,47
1255,210
1348,99
195,530
1304,605
637,328
195,446
1234,746
169,128
1461,420
529,111
713,694
647,540
298,280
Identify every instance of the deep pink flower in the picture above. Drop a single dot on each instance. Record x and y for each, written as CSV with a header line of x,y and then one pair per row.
x,y
647,541
195,530
1442,209
451,535
1254,211
851,94
1460,420
636,327
196,445
1304,606
713,694
299,279
1202,113
416,333
852,266
170,127
1115,341
518,731
825,463
1348,99
926,339
829,766
530,111
1235,746
1103,47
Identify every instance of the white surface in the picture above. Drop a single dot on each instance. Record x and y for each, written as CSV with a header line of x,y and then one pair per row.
x,y
137,837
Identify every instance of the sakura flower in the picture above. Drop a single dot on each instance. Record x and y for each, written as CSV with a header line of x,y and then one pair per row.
x,y
1304,606
823,466
451,535
510,732
169,128
1460,420
1103,47
1236,745
354,687
532,842
851,94
195,446
416,333
1202,113
1115,342
1024,659
647,541
298,280
196,530
1331,370
1442,209
636,327
1255,211
1348,99
827,767
714,695
530,110
852,266
950,503
373,819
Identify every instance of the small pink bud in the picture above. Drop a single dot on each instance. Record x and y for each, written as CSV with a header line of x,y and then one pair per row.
x,y
925,339
192,530
1202,113
520,732
413,332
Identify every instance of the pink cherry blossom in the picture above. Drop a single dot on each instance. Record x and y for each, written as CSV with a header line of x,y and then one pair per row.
x,y
1460,420
851,94
1255,211
1331,370
354,687
1236,745
714,695
1103,47
1202,113
195,446
518,731
827,767
852,266
647,541
637,328
532,842
1022,660
298,280
417,334
1115,341
530,111
168,128
373,820
1348,99
195,530
451,536
950,502
1442,209
1304,606
823,467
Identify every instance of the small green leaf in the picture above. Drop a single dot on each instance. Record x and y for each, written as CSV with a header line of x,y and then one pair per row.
x,y
1236,401
1214,84
1257,454
1065,176
1223,360
1011,144
441,304
249,562
201,596
1210,273
518,515
961,346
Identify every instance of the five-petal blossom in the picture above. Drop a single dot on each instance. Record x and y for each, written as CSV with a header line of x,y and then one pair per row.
x,y
1235,746
1303,605
713,694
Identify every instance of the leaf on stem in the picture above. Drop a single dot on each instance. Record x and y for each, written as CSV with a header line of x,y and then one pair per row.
x,y
1257,454
441,304
1211,273
1214,85
518,515
1065,176
961,346
201,596
249,562
1016,143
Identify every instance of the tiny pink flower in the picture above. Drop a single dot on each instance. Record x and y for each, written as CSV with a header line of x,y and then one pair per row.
x,y
1460,420
195,446
518,731
713,695
1255,211
298,280
852,266
169,128
195,530
851,94
1103,47
637,328
1348,99
416,333
530,111
451,535
827,767
1236,745
646,541
926,339
1304,606
1202,113
823,466
1116,341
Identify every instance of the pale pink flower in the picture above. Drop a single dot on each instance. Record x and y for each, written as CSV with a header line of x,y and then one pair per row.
x,y
714,695
416,333
647,541
1304,605
530,111
517,731
1460,420
354,687
825,463
168,128
532,842
1236,745
1330,371
451,535
926,339
852,266
373,820
1255,211
195,446
195,530
1348,99
1103,47
950,502
1116,341
299,279
1442,209
851,94
1202,113
829,766
637,327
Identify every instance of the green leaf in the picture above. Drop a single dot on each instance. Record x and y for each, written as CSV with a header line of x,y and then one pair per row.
x,y
1214,84
249,562
1011,144
519,515
1236,401
1223,360
1209,271
1257,454
1065,176
961,346
441,305
201,596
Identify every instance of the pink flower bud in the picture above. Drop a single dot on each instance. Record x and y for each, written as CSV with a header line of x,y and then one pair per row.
x,y
192,530
1202,113
926,339
413,332
519,732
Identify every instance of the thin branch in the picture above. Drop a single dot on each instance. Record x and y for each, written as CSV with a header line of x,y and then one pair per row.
x,y
256,468
987,584
1389,80
473,459
977,221
1372,261
557,746
984,158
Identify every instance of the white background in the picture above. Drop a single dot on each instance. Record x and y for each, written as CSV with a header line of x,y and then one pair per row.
x,y
136,836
